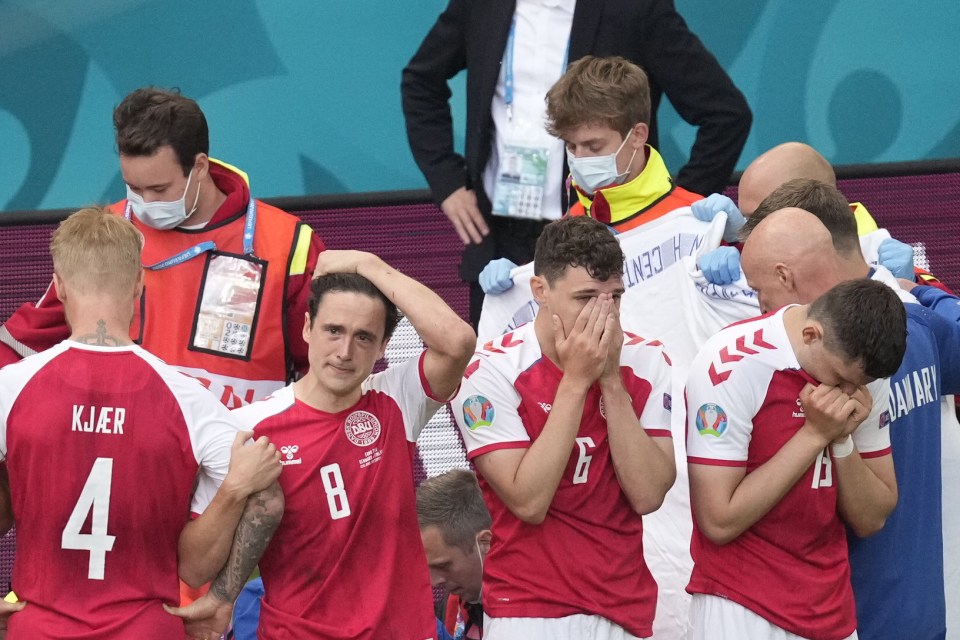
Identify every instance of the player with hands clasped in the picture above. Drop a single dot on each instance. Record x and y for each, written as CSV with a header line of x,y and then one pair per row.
x,y
787,441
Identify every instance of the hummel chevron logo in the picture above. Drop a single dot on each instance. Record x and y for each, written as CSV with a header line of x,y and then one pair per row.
x,y
545,406
632,338
506,341
471,368
740,350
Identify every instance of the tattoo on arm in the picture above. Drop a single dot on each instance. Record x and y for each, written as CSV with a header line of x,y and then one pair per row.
x,y
260,519
101,338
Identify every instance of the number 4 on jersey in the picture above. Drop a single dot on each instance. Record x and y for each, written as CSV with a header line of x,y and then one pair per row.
x,y
96,497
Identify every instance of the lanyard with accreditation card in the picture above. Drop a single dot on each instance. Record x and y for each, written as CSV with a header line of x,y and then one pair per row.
x,y
522,168
229,301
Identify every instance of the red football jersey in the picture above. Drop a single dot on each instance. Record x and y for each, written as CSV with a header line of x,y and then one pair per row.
x,y
347,561
586,557
102,446
743,405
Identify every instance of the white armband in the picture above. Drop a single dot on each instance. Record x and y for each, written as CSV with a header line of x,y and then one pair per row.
x,y
842,449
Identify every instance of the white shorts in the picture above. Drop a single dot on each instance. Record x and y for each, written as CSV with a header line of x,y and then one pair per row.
x,y
575,627
716,618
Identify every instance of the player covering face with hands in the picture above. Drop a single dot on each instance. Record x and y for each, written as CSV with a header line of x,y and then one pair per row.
x,y
573,448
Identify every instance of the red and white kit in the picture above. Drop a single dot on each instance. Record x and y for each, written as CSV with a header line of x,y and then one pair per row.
x,y
586,557
743,405
347,561
103,445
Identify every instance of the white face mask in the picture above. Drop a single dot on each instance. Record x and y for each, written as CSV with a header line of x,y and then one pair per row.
x,y
591,173
162,215
480,553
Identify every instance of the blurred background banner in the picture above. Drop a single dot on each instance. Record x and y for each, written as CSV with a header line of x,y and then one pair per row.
x,y
305,95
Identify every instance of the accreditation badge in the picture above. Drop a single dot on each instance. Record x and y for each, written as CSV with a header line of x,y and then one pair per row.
x,y
229,304
521,176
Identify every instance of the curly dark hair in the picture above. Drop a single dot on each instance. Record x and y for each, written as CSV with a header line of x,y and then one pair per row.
x,y
577,241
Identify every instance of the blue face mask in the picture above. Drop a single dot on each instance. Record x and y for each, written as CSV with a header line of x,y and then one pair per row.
x,y
591,173
162,215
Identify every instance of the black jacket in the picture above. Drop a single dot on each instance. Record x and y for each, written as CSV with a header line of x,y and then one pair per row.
x,y
472,35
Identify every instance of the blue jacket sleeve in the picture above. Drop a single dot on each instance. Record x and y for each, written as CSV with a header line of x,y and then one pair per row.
x,y
946,335
938,300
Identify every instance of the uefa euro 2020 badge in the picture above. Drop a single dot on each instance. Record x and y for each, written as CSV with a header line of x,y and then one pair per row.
x,y
711,420
477,412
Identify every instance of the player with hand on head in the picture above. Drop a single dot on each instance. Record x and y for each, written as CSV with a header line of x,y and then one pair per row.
x,y
347,561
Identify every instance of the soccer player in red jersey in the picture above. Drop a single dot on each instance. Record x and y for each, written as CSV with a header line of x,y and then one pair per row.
x,y
567,420
103,444
787,440
347,561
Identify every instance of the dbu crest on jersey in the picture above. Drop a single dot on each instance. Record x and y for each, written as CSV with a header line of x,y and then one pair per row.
x,y
711,420
477,412
362,428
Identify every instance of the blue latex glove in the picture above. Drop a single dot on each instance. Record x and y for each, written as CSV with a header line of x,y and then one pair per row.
x,y
708,208
495,277
897,257
721,266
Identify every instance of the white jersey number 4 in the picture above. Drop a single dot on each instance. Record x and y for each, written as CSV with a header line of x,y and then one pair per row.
x,y
95,496
336,492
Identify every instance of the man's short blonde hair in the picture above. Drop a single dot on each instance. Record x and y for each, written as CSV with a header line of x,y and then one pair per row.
x,y
95,251
611,92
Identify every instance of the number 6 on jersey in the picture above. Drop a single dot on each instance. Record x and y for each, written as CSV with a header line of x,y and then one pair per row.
x,y
95,496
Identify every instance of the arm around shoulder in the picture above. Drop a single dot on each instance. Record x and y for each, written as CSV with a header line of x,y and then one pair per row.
x,y
205,542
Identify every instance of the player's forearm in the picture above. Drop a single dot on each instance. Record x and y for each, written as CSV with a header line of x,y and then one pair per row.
x,y
538,475
260,519
758,492
644,469
205,542
866,492
450,340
